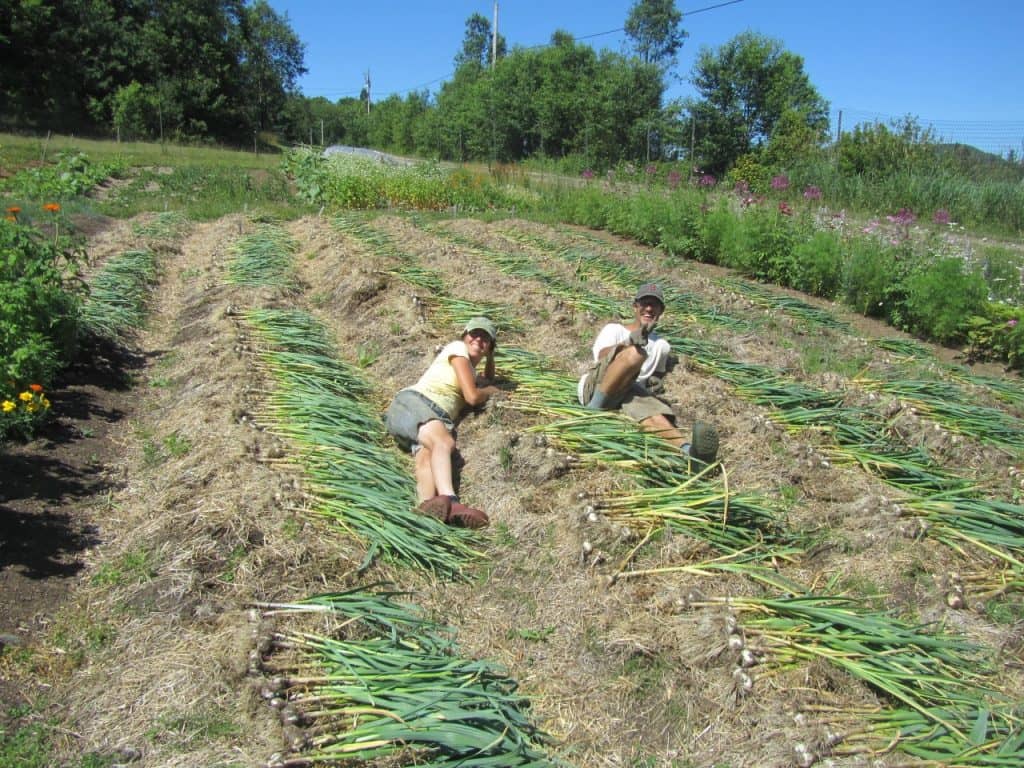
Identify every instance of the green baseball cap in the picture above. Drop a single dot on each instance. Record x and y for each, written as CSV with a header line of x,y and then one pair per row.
x,y
481,324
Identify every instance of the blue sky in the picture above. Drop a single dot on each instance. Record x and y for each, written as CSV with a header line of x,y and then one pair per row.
x,y
957,66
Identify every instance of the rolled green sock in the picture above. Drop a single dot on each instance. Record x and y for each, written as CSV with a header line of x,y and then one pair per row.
x,y
598,401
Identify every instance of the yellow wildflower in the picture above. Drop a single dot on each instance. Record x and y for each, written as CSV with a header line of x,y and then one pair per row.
x,y
9,406
25,397
45,401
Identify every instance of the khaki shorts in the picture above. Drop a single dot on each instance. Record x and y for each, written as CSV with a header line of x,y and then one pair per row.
x,y
407,413
637,403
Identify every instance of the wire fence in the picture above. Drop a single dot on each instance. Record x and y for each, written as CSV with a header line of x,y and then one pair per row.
x,y
999,137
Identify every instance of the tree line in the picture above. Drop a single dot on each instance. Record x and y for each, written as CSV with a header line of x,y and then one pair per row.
x,y
225,71
185,70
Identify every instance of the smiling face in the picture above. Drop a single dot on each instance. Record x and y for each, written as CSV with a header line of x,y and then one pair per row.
x,y
648,310
479,344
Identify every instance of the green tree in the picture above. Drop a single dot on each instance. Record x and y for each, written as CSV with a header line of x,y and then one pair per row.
x,y
653,26
132,108
476,45
271,59
208,68
794,139
880,151
747,86
391,123
61,61
557,101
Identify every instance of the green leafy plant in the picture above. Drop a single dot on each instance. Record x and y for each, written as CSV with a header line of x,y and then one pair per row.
x,y
176,445
818,265
71,174
868,284
366,355
770,236
940,299
998,334
38,317
132,567
38,305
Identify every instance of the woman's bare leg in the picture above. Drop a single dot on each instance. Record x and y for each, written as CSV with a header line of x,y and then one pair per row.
x,y
436,472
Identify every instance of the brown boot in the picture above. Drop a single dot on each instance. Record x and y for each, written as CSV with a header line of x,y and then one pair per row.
x,y
467,517
438,507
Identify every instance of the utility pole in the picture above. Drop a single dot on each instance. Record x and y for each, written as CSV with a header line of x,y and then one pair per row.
x,y
839,135
693,136
494,37
367,91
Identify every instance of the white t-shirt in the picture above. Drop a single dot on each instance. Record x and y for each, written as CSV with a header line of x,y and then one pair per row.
x,y
616,333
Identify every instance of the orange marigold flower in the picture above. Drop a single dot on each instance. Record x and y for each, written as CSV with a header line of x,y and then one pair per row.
x,y
51,207
15,210
36,387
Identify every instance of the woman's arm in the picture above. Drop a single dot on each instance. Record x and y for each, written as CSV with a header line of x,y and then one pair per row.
x,y
489,365
471,393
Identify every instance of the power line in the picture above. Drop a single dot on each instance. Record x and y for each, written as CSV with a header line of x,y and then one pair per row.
x,y
534,47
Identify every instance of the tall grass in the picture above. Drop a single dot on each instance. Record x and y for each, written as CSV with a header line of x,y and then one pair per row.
x,y
18,149
992,206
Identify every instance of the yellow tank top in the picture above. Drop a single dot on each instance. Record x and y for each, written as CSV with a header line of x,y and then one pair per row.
x,y
440,383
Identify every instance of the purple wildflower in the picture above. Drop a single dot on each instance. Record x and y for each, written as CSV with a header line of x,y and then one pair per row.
x,y
673,179
904,217
741,187
587,174
941,216
707,180
651,169
812,193
1011,323
780,182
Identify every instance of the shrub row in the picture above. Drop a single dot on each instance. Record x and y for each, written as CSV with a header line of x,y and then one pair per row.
x,y
924,287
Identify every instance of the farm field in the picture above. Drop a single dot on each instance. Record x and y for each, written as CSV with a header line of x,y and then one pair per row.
x,y
178,509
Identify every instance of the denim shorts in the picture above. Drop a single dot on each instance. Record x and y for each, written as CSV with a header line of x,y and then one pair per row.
x,y
409,411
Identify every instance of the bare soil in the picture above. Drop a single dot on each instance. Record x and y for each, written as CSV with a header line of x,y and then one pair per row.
x,y
141,531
